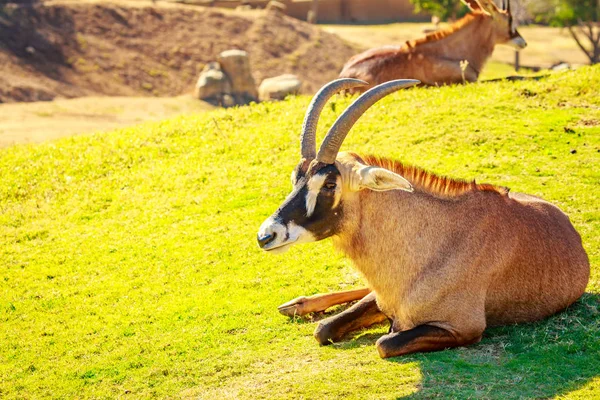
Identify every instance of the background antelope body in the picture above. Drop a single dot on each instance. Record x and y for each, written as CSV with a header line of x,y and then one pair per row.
x,y
454,55
443,258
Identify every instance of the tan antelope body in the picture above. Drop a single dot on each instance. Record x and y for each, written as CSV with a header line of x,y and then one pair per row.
x,y
444,258
460,256
436,59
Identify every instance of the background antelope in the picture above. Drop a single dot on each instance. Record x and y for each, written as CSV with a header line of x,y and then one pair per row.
x,y
443,258
436,59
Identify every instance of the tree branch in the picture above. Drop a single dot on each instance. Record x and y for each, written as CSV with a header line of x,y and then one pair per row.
x,y
591,31
580,30
574,35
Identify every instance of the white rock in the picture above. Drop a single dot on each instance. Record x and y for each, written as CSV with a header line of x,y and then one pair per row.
x,y
279,87
276,6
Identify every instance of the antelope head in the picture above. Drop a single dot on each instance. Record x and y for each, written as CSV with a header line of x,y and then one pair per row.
x,y
504,25
314,210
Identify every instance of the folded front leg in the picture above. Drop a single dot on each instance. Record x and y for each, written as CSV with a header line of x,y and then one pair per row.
x,y
361,315
320,302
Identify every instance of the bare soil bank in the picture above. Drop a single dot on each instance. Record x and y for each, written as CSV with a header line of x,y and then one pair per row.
x,y
73,50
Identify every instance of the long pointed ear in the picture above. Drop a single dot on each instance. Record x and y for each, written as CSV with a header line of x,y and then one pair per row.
x,y
472,4
381,179
488,6
475,6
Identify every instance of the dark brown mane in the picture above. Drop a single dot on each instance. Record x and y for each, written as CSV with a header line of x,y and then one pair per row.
x,y
443,33
439,186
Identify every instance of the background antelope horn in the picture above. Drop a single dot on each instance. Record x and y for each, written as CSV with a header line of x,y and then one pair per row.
x,y
337,133
308,146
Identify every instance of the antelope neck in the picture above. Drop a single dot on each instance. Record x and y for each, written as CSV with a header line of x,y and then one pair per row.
x,y
472,39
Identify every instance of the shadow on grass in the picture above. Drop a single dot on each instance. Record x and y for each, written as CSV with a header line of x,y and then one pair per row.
x,y
540,360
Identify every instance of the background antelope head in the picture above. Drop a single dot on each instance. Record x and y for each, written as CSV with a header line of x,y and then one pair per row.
x,y
504,26
314,209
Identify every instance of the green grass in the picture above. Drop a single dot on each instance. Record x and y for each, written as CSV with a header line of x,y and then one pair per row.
x,y
129,266
495,69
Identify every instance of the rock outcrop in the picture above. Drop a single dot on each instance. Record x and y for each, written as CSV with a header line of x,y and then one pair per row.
x,y
236,65
214,86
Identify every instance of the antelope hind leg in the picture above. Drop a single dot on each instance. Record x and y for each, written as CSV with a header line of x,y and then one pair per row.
x,y
320,302
423,338
362,314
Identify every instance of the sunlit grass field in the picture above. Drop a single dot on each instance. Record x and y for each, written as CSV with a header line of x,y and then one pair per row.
x,y
129,267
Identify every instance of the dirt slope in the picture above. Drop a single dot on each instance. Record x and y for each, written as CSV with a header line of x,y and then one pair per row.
x,y
47,120
72,50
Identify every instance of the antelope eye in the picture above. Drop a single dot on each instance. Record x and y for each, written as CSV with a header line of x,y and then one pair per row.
x,y
330,186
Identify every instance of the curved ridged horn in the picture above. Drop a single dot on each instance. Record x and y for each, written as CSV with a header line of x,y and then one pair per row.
x,y
308,147
340,128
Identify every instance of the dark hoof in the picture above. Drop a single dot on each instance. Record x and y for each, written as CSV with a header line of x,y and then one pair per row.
x,y
323,334
384,346
293,308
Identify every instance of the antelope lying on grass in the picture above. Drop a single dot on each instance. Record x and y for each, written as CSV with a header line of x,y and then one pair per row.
x,y
444,258
437,58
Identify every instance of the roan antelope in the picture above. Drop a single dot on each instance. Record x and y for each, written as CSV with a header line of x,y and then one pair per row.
x,y
443,258
437,58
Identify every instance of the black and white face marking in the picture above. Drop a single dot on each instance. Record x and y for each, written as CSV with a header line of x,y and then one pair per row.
x,y
516,40
311,212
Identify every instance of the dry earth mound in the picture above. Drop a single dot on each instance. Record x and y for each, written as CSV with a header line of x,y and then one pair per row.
x,y
72,50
